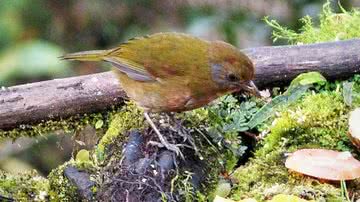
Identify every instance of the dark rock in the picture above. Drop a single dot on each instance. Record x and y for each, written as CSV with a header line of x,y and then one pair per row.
x,y
142,165
81,180
132,150
166,162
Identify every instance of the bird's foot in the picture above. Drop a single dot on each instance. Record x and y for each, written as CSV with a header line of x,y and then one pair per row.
x,y
184,133
163,142
171,147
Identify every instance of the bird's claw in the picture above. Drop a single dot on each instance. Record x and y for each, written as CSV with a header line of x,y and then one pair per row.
x,y
171,147
174,149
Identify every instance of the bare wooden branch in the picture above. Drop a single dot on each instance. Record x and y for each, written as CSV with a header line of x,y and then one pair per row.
x,y
32,103
280,64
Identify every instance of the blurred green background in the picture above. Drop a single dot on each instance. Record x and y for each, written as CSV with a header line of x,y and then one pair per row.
x,y
33,33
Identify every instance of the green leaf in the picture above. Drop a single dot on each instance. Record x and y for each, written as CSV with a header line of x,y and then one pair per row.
x,y
296,89
306,79
268,110
99,124
83,156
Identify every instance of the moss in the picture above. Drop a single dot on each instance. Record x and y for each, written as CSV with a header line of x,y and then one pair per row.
x,y
332,27
206,166
61,189
356,91
185,186
222,122
128,118
211,170
68,125
24,187
319,120
220,147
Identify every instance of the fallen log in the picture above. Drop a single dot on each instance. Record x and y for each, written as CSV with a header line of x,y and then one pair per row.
x,y
61,98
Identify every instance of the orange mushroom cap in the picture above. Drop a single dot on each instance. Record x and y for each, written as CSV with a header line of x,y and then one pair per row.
x,y
324,164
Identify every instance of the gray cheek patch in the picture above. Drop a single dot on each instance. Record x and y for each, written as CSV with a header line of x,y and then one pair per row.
x,y
217,73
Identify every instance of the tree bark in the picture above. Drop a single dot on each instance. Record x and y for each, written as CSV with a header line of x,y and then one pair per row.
x,y
278,65
61,98
58,98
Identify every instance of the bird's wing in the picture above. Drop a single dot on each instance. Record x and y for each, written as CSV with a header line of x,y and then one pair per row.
x,y
131,69
162,55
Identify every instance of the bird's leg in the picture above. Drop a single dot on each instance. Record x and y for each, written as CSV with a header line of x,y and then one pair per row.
x,y
164,142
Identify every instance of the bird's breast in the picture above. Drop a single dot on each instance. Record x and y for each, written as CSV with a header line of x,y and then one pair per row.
x,y
168,95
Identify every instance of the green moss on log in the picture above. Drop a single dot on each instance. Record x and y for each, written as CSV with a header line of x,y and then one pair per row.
x,y
68,125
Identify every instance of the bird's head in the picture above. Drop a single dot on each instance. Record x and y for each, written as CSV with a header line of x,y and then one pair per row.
x,y
231,69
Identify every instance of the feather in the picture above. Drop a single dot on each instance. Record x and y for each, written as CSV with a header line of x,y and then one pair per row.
x,y
93,55
131,71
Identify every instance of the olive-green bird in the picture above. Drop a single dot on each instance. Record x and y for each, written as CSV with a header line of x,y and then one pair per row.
x,y
173,72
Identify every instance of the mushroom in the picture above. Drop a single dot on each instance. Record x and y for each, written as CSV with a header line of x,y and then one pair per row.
x,y
324,164
354,127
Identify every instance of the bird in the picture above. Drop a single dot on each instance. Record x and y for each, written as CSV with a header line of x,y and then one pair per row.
x,y
175,72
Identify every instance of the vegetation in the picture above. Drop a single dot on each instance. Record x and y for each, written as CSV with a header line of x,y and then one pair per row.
x,y
332,27
317,118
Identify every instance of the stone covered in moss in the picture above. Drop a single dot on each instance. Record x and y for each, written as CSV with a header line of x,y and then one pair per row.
x,y
196,172
128,118
61,188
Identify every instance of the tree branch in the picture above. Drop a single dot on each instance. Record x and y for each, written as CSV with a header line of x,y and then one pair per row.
x,y
61,98
34,102
280,64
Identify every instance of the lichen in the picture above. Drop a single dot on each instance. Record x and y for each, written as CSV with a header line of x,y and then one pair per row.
x,y
317,121
24,187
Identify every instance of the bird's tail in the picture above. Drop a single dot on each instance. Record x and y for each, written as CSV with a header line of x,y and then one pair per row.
x,y
93,55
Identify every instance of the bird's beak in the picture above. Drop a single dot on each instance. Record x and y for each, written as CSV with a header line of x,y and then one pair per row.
x,y
250,87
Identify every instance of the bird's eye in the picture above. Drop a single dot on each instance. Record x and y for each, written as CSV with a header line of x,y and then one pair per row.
x,y
232,78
